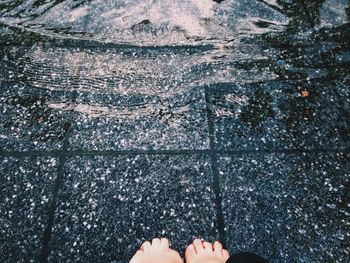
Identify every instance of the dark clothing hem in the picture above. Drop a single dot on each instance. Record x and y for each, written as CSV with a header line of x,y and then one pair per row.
x,y
245,257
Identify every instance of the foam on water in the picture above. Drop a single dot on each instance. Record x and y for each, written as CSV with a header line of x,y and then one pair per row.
x,y
166,22
151,22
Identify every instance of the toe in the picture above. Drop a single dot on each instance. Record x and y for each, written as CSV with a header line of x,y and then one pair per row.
x,y
155,242
217,248
208,246
165,242
190,253
146,245
225,254
198,245
136,258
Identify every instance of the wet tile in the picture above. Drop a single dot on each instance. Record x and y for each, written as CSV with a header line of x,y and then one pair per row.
x,y
109,205
33,78
118,99
27,122
138,121
281,115
25,192
288,208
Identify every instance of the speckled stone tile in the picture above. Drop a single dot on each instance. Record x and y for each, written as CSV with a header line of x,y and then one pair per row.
x,y
281,115
27,121
288,208
25,192
134,121
109,205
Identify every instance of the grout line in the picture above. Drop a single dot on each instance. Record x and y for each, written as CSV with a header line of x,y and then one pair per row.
x,y
215,174
166,152
46,240
47,236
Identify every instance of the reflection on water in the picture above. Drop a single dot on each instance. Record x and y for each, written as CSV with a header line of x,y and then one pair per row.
x,y
122,112
157,52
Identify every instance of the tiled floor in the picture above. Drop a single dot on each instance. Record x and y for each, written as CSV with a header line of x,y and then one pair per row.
x,y
105,145
82,199
109,204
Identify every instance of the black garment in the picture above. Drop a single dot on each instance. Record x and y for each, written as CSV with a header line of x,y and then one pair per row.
x,y
245,257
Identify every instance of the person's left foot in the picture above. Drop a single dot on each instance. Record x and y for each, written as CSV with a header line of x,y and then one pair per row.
x,y
201,251
156,252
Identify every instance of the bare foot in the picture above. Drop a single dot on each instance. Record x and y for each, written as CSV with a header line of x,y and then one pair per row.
x,y
157,252
199,252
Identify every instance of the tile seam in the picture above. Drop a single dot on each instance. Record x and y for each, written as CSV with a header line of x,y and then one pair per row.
x,y
215,173
71,153
47,236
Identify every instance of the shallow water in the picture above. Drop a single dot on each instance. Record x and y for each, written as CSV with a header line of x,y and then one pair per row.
x,y
150,60
224,79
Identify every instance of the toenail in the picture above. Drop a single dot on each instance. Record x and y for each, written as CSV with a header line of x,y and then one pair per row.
x,y
145,244
207,245
165,241
156,241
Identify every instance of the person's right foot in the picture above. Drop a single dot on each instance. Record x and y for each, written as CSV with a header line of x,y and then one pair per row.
x,y
201,251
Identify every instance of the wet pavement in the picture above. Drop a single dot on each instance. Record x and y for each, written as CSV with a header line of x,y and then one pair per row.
x,y
225,120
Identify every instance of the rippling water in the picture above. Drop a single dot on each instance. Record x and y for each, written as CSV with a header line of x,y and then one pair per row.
x,y
152,53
